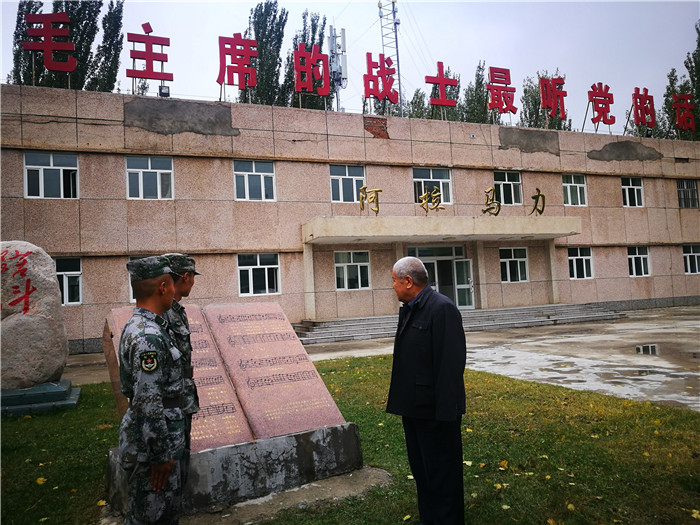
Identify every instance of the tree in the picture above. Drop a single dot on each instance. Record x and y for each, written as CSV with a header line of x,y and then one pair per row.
x,y
531,113
418,107
83,29
266,25
94,72
692,64
666,116
24,69
106,63
474,105
312,33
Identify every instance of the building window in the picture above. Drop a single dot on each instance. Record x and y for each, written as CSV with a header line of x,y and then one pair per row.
x,y
149,177
580,263
687,193
574,190
258,273
632,194
50,175
351,270
508,187
254,180
69,274
346,182
691,258
428,180
513,264
638,261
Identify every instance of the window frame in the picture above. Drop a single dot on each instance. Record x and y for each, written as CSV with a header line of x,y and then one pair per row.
x,y
250,272
345,266
442,183
688,196
64,277
691,257
574,188
248,174
638,261
631,188
499,188
356,181
520,262
64,171
580,263
159,172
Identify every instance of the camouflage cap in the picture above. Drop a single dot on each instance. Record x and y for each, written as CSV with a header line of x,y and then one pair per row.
x,y
148,267
181,263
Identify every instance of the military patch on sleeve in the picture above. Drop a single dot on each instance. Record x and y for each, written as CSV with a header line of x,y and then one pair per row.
x,y
149,361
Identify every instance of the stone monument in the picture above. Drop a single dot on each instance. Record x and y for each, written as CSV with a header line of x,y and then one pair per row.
x,y
34,343
266,421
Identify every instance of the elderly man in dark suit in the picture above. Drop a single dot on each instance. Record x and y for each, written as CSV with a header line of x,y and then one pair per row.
x,y
427,390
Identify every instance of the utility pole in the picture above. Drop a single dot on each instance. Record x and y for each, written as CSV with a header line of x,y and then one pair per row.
x,y
390,38
338,62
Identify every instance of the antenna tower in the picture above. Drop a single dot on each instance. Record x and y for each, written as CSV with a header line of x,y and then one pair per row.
x,y
390,38
338,62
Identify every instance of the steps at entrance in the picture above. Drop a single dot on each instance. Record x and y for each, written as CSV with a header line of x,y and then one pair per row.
x,y
360,328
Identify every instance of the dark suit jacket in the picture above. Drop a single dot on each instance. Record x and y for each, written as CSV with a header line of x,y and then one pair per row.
x,y
429,358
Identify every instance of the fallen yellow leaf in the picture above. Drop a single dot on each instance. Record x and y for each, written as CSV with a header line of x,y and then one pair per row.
x,y
468,430
101,503
40,481
497,486
571,507
409,477
474,494
695,514
468,463
503,464
103,427
505,507
407,517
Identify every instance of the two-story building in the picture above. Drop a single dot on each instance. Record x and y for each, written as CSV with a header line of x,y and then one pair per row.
x,y
310,208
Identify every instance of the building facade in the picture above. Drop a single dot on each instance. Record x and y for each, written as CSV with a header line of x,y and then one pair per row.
x,y
310,209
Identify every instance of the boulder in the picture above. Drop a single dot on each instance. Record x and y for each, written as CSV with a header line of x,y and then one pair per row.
x,y
33,336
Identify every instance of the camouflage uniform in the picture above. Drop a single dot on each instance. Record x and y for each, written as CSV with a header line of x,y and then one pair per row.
x,y
152,431
179,327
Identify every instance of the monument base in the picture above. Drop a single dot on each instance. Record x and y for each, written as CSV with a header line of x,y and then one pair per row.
x,y
39,398
235,473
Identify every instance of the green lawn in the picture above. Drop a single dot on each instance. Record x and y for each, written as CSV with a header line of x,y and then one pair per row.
x,y
533,453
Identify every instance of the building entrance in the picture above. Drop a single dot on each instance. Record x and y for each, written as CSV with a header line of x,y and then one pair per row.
x,y
449,272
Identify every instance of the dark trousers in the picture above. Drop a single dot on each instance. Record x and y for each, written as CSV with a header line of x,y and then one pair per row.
x,y
435,456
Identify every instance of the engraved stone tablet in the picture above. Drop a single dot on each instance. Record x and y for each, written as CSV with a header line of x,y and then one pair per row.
x,y
278,386
220,420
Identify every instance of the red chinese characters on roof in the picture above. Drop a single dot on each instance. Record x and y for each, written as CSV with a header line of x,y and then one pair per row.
x,y
441,81
385,74
552,97
240,51
643,108
685,119
602,99
47,32
309,67
148,54
501,95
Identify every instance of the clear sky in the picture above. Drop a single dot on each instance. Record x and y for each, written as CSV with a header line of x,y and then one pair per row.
x,y
622,44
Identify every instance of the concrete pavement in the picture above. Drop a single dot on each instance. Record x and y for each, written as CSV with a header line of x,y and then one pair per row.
x,y
599,356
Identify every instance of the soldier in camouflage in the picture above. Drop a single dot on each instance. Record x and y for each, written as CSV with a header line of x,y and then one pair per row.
x,y
152,433
183,266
